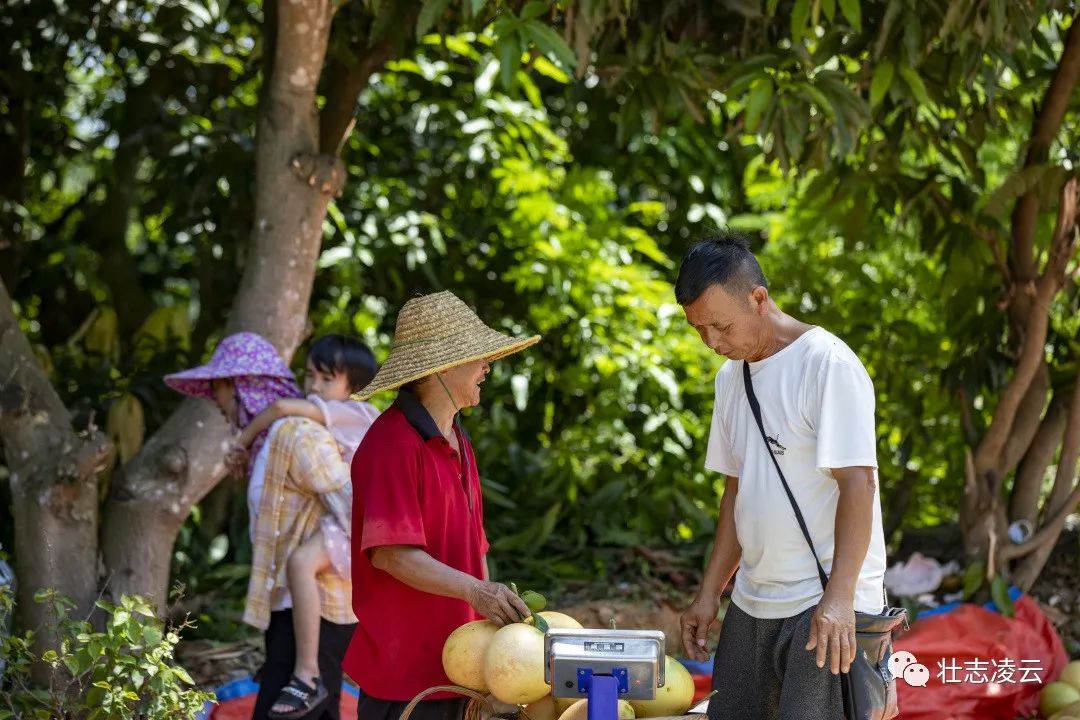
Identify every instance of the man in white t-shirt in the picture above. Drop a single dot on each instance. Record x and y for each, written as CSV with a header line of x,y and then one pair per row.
x,y
784,641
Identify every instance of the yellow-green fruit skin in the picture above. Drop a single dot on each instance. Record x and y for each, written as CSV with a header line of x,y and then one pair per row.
x,y
463,654
672,699
514,665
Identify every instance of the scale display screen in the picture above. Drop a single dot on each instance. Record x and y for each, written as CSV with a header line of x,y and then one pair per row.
x,y
635,658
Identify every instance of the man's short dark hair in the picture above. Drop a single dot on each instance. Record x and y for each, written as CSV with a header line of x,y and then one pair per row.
x,y
723,259
342,354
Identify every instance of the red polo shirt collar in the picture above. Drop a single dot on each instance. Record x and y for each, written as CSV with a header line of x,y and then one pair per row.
x,y
410,488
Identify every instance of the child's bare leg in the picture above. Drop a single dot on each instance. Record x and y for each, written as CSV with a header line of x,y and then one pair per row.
x,y
305,563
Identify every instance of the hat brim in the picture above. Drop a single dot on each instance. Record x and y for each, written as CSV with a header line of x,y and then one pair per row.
x,y
404,365
199,381
196,382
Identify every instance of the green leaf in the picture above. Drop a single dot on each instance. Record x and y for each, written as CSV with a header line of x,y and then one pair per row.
x,y
550,70
430,14
794,122
883,77
997,18
71,664
918,89
761,94
999,593
770,7
891,13
534,600
95,697
913,37
182,674
800,13
509,52
533,10
151,636
541,623
952,16
823,102
852,12
828,7
973,578
551,43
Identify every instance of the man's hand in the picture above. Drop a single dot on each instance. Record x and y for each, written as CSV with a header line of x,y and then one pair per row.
x,y
695,623
497,603
832,631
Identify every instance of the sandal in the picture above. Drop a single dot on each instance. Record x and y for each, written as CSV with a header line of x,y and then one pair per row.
x,y
301,698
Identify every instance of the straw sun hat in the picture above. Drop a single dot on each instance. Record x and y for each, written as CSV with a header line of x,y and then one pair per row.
x,y
435,333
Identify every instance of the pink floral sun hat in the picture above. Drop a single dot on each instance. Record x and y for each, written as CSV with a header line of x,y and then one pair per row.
x,y
248,358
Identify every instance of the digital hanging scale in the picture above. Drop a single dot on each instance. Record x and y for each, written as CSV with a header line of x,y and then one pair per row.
x,y
604,666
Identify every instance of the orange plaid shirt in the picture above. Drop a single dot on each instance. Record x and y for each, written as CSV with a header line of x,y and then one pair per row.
x,y
305,478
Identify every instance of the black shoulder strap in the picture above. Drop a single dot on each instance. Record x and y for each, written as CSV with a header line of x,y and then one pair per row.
x,y
794,505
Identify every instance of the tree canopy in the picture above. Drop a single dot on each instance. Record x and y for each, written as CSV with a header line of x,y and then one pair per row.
x,y
903,169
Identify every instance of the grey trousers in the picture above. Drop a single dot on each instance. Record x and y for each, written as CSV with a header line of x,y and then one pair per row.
x,y
763,671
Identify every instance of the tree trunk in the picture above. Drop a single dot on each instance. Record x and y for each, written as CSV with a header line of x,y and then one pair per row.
x,y
53,481
1063,498
294,184
57,526
1027,487
1015,425
150,498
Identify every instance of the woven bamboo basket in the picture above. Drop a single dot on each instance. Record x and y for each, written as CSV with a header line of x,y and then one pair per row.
x,y
474,709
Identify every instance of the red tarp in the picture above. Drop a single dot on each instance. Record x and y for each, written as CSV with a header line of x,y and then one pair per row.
x,y
240,708
960,648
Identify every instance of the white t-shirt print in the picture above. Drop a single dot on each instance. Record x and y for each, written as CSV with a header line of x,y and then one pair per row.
x,y
817,405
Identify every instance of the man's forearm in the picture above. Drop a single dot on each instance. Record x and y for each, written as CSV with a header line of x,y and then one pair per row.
x,y
417,569
726,549
854,523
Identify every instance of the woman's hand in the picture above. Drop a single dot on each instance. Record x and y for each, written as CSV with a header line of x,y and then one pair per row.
x,y
236,460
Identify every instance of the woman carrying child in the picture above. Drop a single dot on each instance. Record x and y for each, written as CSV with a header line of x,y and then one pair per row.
x,y
299,496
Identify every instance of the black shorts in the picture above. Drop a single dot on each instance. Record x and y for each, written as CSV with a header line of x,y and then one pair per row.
x,y
371,708
763,671
281,658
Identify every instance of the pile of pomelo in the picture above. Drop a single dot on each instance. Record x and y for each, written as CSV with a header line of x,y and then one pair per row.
x,y
1060,700
508,663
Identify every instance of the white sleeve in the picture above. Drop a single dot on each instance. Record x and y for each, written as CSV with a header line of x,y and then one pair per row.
x,y
846,436
719,456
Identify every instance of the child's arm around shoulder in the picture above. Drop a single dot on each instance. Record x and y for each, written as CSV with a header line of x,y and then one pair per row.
x,y
282,407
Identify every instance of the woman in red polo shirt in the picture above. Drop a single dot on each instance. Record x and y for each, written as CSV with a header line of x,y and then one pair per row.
x,y
419,548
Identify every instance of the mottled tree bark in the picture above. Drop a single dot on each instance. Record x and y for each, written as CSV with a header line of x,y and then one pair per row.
x,y
295,180
53,480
